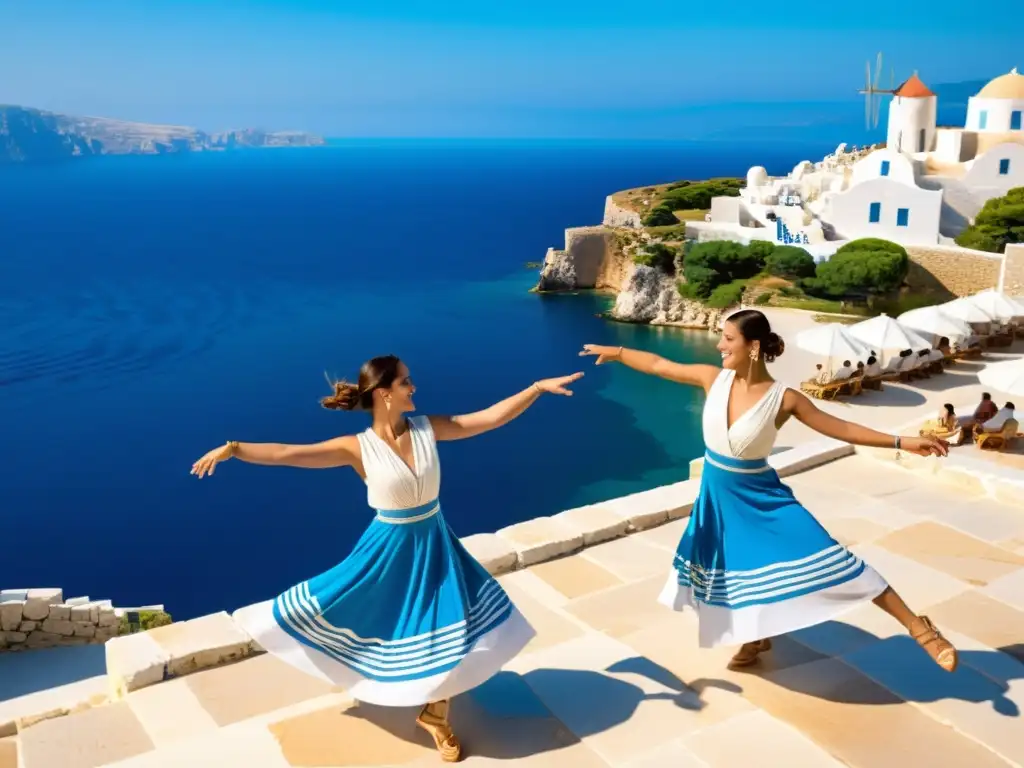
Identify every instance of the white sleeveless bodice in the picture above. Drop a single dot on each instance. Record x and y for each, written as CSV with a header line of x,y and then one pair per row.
x,y
390,484
753,435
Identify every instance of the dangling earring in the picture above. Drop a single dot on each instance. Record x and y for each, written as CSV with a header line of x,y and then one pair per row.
x,y
755,353
387,403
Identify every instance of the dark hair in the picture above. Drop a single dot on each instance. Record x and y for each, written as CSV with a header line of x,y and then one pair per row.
x,y
986,396
872,360
376,373
1010,405
949,409
922,353
754,326
846,363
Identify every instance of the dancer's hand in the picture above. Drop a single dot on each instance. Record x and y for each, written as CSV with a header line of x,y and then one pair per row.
x,y
208,463
558,386
604,354
925,446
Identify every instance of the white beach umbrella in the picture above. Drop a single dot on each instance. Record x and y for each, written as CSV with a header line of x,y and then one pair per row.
x,y
997,305
1005,377
934,321
885,333
965,310
832,340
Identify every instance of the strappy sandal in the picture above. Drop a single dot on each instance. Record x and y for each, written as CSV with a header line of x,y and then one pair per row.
x,y
749,653
437,726
939,648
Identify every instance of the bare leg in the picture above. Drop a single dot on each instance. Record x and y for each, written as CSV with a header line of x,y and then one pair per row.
x,y
434,720
920,628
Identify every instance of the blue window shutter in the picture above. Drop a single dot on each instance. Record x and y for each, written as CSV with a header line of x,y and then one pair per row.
x,y
1004,166
902,217
885,167
1015,120
875,214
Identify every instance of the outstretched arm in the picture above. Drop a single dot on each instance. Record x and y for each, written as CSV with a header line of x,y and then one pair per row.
x,y
800,406
499,414
654,365
337,452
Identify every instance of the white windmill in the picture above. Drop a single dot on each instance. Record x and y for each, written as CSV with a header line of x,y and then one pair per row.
x,y
873,94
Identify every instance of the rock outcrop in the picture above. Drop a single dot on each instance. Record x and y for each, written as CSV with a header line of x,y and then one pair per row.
x,y
601,258
617,216
33,135
650,296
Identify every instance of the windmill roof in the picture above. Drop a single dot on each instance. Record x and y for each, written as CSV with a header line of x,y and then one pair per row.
x,y
913,88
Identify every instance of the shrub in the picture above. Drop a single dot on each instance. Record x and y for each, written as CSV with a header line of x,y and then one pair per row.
x,y
861,268
761,249
697,195
660,216
657,255
790,261
727,295
763,298
147,620
709,265
999,223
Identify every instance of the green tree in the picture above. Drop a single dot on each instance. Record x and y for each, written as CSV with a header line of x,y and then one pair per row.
x,y
999,223
660,216
709,265
727,294
659,256
697,195
761,249
790,261
861,268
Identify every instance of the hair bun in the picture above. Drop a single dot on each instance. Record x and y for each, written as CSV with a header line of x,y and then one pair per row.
x,y
773,347
346,397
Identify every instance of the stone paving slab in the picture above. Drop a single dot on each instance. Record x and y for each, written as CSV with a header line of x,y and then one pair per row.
x,y
615,680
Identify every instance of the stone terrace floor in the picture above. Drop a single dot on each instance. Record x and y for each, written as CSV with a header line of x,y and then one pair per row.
x,y
614,679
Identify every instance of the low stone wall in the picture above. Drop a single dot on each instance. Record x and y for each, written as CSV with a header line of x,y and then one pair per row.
x,y
952,269
42,618
617,216
1013,272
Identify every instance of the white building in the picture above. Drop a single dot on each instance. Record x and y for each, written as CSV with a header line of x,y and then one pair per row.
x,y
923,188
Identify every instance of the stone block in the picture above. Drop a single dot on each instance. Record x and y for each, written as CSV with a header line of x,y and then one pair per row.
x,y
11,615
595,523
492,552
59,627
80,613
107,618
84,629
105,633
38,602
133,662
76,601
208,641
15,637
696,468
61,612
540,539
28,626
17,595
44,639
643,510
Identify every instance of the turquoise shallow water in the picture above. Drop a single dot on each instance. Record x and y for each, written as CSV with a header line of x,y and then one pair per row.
x,y
153,307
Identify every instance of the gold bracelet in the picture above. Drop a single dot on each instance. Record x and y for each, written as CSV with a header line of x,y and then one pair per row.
x,y
232,447
619,355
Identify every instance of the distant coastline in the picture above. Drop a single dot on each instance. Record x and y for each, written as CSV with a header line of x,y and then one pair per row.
x,y
30,135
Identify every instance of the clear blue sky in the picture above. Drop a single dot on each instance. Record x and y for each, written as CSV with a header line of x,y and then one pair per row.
x,y
514,68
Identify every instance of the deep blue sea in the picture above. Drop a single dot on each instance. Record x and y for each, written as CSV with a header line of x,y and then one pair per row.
x,y
153,307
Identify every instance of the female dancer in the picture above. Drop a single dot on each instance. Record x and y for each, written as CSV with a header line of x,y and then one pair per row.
x,y
409,618
753,562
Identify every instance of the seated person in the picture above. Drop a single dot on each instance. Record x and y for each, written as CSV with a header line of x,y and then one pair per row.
x,y
995,424
859,370
894,364
922,360
986,410
872,368
822,376
909,361
934,355
943,346
844,372
947,419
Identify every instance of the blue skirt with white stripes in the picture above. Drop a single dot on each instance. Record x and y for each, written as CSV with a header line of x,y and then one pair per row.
x,y
753,552
402,611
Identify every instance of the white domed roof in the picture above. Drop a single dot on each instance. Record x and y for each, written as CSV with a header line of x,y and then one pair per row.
x,y
757,176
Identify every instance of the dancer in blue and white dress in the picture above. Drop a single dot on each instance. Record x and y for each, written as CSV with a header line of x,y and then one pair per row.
x,y
409,618
753,562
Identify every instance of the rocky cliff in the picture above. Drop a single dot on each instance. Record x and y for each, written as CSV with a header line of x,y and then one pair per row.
x,y
601,258
31,135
